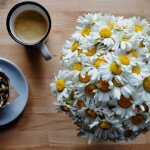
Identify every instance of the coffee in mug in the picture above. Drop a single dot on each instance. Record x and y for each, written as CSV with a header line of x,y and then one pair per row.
x,y
30,26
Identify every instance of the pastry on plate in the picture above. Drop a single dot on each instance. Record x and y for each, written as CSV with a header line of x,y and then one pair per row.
x,y
4,89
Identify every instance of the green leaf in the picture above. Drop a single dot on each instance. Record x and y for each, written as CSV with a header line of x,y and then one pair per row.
x,y
69,101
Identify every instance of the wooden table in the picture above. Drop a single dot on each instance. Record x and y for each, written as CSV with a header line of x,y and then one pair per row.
x,y
40,127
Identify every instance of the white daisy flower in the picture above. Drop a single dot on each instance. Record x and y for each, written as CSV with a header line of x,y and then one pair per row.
x,y
90,54
87,19
87,89
86,110
124,107
144,88
76,67
139,50
122,25
93,67
61,106
137,121
104,35
82,102
71,50
118,67
107,128
141,104
139,71
103,92
140,25
102,110
123,41
109,21
120,88
127,135
86,25
62,85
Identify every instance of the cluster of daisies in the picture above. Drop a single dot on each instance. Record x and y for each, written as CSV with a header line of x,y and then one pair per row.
x,y
105,87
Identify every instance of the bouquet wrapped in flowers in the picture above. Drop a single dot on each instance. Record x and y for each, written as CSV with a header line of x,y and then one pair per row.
x,y
105,88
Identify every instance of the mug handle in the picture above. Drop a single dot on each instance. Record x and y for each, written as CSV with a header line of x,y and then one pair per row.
x,y
44,51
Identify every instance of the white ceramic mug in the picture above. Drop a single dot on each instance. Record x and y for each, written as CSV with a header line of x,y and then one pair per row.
x,y
24,6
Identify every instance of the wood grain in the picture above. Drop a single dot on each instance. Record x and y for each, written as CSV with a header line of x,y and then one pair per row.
x,y
40,127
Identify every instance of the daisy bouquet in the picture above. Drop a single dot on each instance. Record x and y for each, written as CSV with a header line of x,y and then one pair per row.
x,y
105,88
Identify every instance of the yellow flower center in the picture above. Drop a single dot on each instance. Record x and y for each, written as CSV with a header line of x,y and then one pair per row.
x,y
149,48
124,102
65,108
138,28
111,25
124,27
115,68
105,33
116,83
141,44
119,28
136,70
77,66
60,85
61,55
91,113
89,89
105,125
124,39
79,52
99,61
86,31
91,52
124,60
74,46
127,133
146,84
84,79
101,54
80,104
138,119
132,52
104,86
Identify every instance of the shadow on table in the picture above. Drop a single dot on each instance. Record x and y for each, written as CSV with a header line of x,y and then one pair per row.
x,y
35,67
34,62
11,124
115,146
